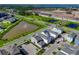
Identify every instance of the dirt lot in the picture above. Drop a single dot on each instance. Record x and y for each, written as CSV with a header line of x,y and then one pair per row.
x,y
21,28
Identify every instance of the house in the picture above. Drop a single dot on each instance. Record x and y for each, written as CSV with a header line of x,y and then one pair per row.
x,y
1,19
68,50
76,41
36,39
13,50
22,50
3,15
3,52
50,33
53,33
70,37
47,39
48,36
12,19
46,33
45,14
77,52
58,30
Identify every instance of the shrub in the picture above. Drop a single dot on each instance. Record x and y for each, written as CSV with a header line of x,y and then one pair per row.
x,y
54,53
40,52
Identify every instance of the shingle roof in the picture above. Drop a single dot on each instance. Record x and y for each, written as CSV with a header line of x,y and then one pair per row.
x,y
42,43
53,32
38,38
72,34
11,19
13,49
69,50
60,53
77,52
3,52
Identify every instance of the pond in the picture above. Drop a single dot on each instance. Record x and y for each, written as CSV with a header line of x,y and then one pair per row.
x,y
22,27
72,25
52,20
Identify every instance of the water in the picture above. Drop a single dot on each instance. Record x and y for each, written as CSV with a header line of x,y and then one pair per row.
x,y
73,25
42,5
52,21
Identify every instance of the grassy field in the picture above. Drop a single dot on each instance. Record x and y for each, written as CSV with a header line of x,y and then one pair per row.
x,y
21,28
62,23
40,24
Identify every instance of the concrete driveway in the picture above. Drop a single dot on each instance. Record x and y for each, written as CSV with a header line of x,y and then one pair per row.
x,y
30,48
54,47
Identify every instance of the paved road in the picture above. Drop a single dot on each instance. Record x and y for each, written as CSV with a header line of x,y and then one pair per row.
x,y
72,20
54,47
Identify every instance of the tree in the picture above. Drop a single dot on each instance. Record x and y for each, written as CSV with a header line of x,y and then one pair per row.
x,y
54,53
6,23
59,48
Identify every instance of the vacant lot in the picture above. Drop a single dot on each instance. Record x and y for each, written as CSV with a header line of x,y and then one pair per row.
x,y
22,27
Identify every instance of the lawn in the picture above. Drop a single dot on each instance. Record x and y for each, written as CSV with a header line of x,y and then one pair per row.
x,y
72,25
33,20
69,24
40,22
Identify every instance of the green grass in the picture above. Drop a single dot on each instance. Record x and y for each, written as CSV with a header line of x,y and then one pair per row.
x,y
40,20
40,52
67,23
40,24
3,42
36,20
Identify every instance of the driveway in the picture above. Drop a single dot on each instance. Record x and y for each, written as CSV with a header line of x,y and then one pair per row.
x,y
54,47
30,48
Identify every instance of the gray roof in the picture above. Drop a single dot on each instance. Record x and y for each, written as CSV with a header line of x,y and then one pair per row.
x,y
42,43
11,19
38,38
72,34
3,52
60,53
53,32
1,19
77,52
13,49
47,32
45,37
77,37
69,49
